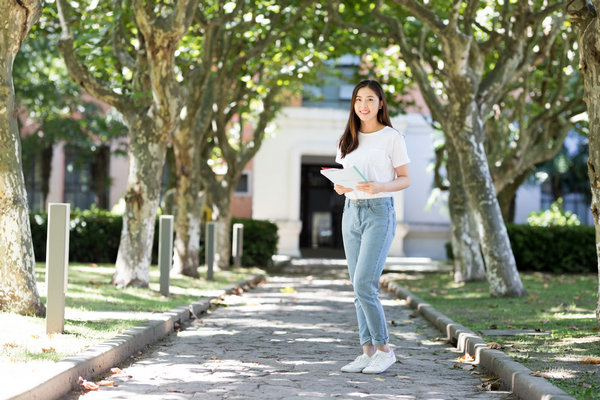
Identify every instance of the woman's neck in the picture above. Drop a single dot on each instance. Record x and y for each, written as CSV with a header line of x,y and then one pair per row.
x,y
371,126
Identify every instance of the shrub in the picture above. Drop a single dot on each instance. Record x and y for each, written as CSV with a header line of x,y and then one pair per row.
x,y
260,242
95,235
558,249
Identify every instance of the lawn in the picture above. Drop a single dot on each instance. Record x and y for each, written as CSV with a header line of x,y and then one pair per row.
x,y
564,343
95,311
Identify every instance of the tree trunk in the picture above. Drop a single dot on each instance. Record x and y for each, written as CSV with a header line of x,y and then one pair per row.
x,y
501,268
188,205
146,161
506,196
468,262
589,48
18,291
222,201
224,237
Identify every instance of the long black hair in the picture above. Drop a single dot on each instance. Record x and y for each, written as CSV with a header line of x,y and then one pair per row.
x,y
349,139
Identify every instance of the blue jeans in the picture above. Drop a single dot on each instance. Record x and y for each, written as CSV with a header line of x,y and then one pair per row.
x,y
368,228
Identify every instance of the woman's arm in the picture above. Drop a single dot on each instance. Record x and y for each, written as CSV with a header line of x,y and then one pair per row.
x,y
401,182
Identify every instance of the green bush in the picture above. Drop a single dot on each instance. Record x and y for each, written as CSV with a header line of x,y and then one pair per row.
x,y
260,242
558,249
95,235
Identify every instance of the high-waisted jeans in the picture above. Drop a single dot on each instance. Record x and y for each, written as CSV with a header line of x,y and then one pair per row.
x,y
368,228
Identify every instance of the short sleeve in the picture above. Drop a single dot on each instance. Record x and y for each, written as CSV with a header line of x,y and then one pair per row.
x,y
338,156
399,154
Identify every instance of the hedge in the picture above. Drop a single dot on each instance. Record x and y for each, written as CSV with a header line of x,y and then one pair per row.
x,y
557,249
95,235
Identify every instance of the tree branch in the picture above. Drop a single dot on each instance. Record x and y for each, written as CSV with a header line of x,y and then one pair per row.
x,y
414,61
119,38
424,14
79,72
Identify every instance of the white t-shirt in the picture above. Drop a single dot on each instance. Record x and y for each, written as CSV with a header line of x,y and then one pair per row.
x,y
377,155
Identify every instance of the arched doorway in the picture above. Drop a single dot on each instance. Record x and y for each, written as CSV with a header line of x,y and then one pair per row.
x,y
320,210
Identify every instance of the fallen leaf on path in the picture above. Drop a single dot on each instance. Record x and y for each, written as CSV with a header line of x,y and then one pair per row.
x,y
87,385
466,358
591,360
380,379
494,345
106,382
48,350
213,358
237,291
537,373
11,345
490,383
287,289
115,371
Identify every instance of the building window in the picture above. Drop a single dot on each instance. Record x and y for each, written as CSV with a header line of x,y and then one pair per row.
x,y
32,172
78,183
243,186
336,88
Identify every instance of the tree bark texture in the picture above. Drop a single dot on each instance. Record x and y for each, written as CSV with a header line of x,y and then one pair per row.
x,y
506,196
188,205
147,150
586,19
18,291
501,268
468,261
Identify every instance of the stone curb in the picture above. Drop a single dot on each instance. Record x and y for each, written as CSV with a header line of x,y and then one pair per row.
x,y
101,357
516,376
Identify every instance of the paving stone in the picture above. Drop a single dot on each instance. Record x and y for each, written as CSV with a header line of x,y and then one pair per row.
x,y
268,344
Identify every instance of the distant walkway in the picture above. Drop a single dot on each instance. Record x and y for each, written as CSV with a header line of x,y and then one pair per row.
x,y
287,340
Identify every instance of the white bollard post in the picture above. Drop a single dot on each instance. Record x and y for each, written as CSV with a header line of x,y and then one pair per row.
x,y
57,265
237,245
165,252
209,249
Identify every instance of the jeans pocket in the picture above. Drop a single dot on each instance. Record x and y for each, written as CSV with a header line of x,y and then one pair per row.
x,y
380,210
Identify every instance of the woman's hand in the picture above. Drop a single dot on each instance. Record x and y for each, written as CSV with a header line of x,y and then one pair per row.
x,y
370,187
339,189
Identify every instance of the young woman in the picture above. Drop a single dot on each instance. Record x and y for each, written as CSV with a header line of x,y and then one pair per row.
x,y
369,222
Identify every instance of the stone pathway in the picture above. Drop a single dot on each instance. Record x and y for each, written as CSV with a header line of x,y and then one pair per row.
x,y
288,339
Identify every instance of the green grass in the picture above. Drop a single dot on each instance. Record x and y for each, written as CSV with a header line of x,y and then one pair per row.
x,y
24,340
561,306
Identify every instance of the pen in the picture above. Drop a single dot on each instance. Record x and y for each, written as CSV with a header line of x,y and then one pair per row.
x,y
361,175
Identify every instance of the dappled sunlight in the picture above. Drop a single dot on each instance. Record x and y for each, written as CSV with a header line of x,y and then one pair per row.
x,y
591,317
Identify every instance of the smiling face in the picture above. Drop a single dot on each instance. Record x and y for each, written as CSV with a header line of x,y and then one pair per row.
x,y
367,105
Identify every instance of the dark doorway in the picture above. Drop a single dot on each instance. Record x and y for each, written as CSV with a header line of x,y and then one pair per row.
x,y
320,211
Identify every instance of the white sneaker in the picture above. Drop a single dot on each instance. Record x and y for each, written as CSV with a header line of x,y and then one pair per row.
x,y
380,362
358,364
